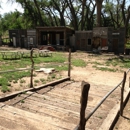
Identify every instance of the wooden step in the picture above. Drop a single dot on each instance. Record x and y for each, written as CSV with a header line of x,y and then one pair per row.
x,y
44,97
45,122
49,111
42,102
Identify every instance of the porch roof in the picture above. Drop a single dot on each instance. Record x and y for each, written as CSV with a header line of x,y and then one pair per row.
x,y
57,28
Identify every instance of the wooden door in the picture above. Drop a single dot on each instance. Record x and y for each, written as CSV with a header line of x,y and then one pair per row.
x,y
103,42
115,46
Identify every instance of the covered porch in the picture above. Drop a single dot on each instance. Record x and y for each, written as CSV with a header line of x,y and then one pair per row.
x,y
57,37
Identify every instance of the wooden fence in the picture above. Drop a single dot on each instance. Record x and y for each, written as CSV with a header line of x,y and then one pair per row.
x,y
32,68
84,99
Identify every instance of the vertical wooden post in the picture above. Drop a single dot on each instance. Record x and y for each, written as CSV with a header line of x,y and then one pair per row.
x,y
69,63
129,82
122,95
83,100
32,67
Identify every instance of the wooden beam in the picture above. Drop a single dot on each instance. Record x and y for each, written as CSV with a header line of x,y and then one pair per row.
x,y
122,95
83,100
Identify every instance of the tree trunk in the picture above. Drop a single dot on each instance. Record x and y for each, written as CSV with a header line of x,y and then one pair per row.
x,y
82,20
39,13
99,7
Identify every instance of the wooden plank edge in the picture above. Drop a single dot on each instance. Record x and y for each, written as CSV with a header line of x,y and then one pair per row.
x,y
112,117
14,94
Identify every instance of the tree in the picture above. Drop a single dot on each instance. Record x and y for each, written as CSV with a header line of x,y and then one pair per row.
x,y
99,7
79,14
118,13
125,15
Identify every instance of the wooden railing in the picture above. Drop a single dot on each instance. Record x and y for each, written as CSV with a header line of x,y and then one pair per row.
x,y
84,100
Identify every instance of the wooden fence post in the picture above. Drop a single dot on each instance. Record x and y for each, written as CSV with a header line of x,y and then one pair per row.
x,y
32,67
69,63
122,95
83,101
129,82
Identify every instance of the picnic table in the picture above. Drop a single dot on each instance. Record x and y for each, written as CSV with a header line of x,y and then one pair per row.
x,y
45,53
104,49
27,53
10,54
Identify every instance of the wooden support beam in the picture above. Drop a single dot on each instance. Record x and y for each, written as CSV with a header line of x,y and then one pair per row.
x,y
83,100
69,63
122,95
32,66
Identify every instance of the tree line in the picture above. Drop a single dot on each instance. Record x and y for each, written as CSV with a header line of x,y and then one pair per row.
x,y
78,14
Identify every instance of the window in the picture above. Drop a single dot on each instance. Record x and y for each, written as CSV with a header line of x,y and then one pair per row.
x,y
89,42
31,40
44,37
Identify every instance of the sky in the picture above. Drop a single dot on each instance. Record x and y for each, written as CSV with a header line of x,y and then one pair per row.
x,y
8,7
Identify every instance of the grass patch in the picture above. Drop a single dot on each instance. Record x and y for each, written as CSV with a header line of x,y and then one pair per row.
x,y
78,63
42,80
56,58
53,76
16,75
120,61
5,88
36,81
22,81
95,63
22,101
105,69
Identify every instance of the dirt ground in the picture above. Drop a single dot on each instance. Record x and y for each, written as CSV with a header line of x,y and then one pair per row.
x,y
91,75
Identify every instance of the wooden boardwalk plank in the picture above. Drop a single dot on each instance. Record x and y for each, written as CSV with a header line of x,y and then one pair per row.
x,y
43,102
57,107
51,121
49,111
44,97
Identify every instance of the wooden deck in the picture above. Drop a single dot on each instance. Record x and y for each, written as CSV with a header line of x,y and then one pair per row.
x,y
55,108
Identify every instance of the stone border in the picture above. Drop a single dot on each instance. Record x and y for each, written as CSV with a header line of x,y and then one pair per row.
x,y
12,95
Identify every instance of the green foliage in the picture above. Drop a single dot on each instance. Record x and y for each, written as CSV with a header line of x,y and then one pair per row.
x,y
22,81
53,76
4,84
121,62
3,81
128,44
42,80
105,69
78,63
57,57
22,101
5,88
36,81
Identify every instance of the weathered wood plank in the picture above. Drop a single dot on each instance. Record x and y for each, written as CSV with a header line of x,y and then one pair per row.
x,y
21,121
34,101
3,128
6,122
45,122
2,105
49,111
59,100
